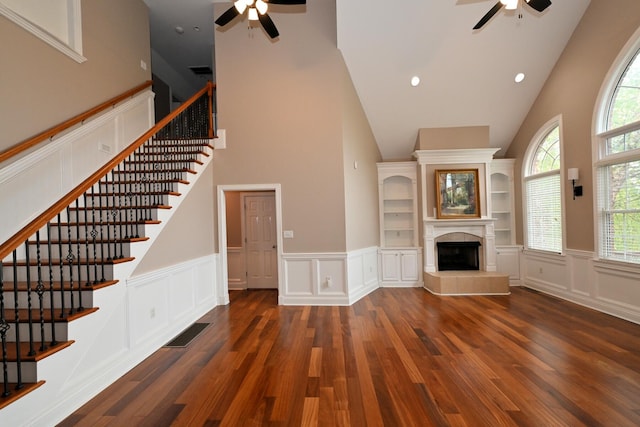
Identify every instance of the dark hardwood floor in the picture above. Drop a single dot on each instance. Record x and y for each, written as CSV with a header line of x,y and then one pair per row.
x,y
398,357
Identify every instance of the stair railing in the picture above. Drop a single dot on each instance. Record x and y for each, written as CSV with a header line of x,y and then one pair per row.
x,y
70,245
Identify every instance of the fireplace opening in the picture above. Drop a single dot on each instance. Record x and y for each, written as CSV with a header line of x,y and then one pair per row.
x,y
458,256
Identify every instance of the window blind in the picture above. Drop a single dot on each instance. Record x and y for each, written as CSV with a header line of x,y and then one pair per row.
x,y
544,213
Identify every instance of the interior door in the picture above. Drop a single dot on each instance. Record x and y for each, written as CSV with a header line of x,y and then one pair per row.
x,y
260,240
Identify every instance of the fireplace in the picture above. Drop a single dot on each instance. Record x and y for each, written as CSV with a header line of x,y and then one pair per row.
x,y
458,256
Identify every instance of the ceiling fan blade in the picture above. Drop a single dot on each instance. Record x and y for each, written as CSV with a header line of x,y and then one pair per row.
x,y
539,5
268,26
228,16
287,1
488,16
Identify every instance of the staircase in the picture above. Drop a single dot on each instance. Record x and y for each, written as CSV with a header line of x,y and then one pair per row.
x,y
51,269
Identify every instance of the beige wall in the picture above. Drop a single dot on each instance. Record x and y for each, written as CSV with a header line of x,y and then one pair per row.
x,y
361,154
453,137
189,233
281,105
234,218
42,87
571,90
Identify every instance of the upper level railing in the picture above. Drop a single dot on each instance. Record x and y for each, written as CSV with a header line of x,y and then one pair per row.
x,y
51,132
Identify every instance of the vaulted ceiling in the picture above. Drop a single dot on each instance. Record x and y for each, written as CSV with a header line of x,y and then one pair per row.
x,y
466,76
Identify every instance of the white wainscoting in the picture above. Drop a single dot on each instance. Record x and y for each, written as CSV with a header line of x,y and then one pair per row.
x,y
134,319
328,278
34,182
610,287
236,268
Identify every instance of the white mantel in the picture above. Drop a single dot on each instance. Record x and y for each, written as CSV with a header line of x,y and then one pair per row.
x,y
482,227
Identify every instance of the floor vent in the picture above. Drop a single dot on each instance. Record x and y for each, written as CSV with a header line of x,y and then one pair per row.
x,y
187,335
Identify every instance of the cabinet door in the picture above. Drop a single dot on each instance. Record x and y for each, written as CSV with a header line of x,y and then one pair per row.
x,y
508,262
409,266
390,266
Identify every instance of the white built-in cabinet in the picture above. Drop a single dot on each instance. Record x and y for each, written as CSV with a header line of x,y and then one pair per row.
x,y
503,211
400,255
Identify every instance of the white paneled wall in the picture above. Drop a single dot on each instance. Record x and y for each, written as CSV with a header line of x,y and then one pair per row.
x,y
577,276
236,268
329,278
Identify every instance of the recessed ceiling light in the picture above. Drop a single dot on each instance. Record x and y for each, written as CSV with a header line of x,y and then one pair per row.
x,y
519,77
415,81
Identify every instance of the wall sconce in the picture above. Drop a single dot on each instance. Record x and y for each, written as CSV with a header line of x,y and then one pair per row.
x,y
574,174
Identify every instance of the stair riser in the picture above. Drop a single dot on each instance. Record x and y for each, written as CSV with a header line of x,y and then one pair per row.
x,y
139,178
135,188
60,329
29,372
110,201
160,149
87,251
105,232
158,165
89,216
87,299
22,273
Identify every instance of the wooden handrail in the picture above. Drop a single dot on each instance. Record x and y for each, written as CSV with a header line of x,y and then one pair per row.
x,y
51,132
40,221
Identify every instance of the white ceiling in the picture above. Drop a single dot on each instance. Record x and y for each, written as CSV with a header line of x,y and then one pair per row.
x,y
467,77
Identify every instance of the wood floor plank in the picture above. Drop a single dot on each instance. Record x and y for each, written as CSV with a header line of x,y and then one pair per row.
x,y
397,357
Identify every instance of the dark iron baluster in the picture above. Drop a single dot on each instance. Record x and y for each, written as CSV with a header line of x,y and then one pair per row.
x,y
29,302
19,384
63,312
87,244
110,201
70,258
40,291
51,282
78,260
4,328
94,234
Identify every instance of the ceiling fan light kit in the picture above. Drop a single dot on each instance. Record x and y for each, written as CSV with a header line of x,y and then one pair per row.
x,y
257,12
537,5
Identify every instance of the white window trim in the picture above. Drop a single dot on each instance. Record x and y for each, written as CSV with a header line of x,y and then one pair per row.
x,y
599,134
73,49
528,157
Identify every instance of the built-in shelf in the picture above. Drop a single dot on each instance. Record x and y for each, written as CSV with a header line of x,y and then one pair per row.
x,y
400,260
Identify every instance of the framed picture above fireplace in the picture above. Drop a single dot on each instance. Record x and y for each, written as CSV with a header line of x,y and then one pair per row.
x,y
458,193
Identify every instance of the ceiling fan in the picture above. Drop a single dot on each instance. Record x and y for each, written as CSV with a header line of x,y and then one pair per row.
x,y
539,5
257,11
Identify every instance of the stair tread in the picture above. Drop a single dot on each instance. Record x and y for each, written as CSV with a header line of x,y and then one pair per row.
x,y
23,313
22,286
81,261
165,160
39,354
17,394
110,208
159,153
89,241
151,181
73,224
160,171
146,193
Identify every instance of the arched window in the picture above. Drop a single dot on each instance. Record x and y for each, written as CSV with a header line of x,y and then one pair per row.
x,y
543,199
618,160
